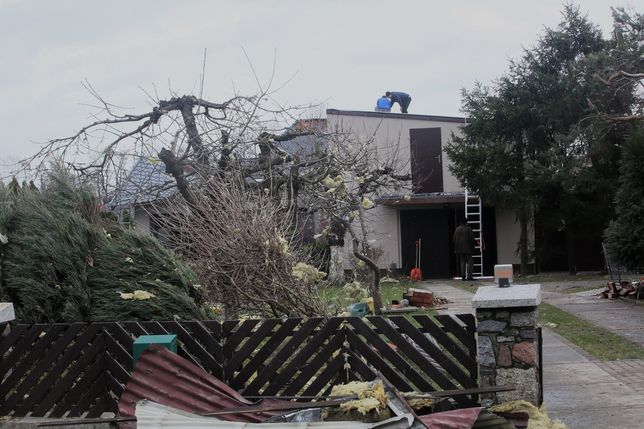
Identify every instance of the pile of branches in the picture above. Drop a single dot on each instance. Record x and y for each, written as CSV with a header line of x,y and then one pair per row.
x,y
65,260
241,243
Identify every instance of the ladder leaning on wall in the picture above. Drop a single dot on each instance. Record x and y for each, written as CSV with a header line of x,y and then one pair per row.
x,y
474,218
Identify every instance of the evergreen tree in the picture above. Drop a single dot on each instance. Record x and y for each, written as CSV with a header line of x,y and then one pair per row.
x,y
64,261
528,145
625,235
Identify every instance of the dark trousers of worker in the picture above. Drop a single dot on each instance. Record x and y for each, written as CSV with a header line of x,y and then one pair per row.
x,y
405,104
466,263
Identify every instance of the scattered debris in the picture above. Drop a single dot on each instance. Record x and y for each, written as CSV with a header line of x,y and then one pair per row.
x,y
419,401
423,298
152,415
168,379
538,417
370,406
624,289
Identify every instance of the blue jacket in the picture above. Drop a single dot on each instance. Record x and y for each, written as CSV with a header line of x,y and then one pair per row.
x,y
383,103
398,97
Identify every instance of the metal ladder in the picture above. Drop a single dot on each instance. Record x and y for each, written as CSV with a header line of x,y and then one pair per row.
x,y
474,218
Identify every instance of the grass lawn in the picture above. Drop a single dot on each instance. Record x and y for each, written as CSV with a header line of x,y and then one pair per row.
x,y
559,277
337,296
597,341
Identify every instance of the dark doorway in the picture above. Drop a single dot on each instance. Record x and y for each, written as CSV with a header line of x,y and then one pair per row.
x,y
489,239
426,160
432,227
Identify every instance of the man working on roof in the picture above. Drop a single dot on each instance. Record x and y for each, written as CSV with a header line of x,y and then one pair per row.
x,y
403,99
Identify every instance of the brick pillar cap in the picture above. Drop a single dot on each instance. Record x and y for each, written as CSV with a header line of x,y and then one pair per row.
x,y
514,296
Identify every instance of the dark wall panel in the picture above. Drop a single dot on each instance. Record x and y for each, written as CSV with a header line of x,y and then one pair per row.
x,y
432,227
426,160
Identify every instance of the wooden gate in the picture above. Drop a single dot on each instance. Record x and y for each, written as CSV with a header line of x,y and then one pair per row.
x,y
81,369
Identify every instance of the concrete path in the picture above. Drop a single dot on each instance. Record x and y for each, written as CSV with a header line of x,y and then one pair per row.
x,y
579,391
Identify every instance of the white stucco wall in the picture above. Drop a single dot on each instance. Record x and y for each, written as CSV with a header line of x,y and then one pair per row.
x,y
141,221
383,233
391,135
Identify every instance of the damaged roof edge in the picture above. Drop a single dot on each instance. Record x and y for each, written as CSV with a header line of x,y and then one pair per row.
x,y
420,199
456,119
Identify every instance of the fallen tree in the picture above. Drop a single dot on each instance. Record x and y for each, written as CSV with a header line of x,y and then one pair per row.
x,y
65,260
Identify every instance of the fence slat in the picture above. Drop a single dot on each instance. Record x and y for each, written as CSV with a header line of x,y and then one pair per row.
x,y
282,355
71,366
193,347
445,341
315,363
309,348
209,338
116,368
323,379
453,327
365,372
38,370
20,347
95,392
433,351
92,375
412,353
400,364
18,371
365,350
238,356
234,338
260,357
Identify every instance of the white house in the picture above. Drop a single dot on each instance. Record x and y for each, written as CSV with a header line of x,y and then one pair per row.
x,y
437,200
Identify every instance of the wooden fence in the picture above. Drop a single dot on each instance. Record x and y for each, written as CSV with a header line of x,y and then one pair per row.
x,y
81,369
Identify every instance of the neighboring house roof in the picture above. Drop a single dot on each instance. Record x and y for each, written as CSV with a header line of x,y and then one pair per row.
x,y
146,182
302,125
304,145
408,116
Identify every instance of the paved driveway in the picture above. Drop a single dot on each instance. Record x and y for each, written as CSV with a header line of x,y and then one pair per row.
x,y
578,390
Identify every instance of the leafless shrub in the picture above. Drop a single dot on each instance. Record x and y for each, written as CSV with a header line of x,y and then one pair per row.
x,y
240,243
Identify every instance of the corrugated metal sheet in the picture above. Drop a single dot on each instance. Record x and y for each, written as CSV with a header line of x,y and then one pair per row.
x,y
454,419
151,416
168,379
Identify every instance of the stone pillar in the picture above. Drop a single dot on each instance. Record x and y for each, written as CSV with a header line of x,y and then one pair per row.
x,y
508,349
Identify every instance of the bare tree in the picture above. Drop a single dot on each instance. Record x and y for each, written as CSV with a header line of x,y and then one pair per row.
x,y
359,172
238,144
242,246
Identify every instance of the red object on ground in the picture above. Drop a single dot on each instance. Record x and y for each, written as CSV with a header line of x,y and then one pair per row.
x,y
420,298
455,419
416,274
168,379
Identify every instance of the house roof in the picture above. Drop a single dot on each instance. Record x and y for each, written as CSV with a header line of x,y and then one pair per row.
x,y
406,116
422,199
146,182
303,145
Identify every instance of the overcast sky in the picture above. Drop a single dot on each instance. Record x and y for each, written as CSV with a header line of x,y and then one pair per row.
x,y
341,54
